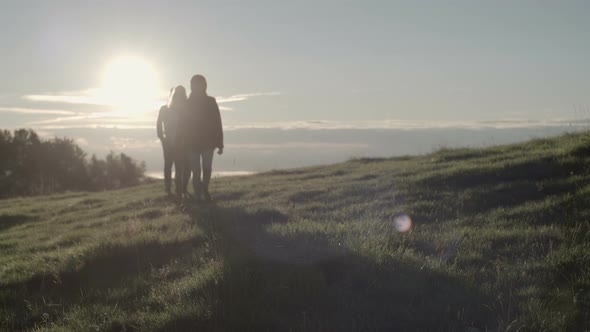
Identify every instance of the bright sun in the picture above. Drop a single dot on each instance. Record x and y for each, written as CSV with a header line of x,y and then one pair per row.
x,y
130,84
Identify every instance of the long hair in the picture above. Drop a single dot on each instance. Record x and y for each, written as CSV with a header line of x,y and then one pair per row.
x,y
177,97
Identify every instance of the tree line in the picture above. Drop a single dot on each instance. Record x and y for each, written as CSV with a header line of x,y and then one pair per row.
x,y
31,166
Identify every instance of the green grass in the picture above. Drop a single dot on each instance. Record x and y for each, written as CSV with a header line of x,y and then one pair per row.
x,y
501,241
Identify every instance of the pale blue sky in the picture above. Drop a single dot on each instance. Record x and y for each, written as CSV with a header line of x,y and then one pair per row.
x,y
343,61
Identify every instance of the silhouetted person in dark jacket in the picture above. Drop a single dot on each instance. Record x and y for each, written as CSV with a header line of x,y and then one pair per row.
x,y
168,125
203,133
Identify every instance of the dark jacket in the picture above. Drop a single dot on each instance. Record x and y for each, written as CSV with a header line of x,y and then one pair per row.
x,y
167,125
201,124
160,121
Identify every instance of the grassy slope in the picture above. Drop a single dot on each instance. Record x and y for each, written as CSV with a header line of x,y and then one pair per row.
x,y
500,241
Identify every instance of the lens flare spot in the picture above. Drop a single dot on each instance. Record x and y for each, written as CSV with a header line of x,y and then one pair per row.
x,y
402,223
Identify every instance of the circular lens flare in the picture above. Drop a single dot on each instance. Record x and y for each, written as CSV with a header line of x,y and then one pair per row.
x,y
402,223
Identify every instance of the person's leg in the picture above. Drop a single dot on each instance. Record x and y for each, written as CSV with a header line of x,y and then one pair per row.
x,y
179,171
195,160
187,172
207,170
168,160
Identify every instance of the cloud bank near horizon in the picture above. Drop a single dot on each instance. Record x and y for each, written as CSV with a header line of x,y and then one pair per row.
x,y
398,124
87,110
38,111
104,121
265,149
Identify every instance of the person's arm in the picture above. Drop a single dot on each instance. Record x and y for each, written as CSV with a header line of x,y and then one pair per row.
x,y
218,127
159,124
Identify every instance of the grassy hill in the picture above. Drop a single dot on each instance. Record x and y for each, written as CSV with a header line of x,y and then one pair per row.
x,y
500,241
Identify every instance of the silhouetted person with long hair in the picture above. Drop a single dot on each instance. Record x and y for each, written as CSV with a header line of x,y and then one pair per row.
x,y
203,134
168,125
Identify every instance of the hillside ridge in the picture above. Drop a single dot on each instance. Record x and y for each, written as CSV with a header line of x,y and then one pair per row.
x,y
499,241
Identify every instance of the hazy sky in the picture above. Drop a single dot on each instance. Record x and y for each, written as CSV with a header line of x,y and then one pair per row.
x,y
315,60
303,64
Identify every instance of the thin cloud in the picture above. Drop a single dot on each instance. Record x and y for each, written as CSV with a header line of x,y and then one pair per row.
x,y
93,97
97,118
87,97
339,125
95,126
38,111
62,119
89,117
90,96
392,124
245,96
299,145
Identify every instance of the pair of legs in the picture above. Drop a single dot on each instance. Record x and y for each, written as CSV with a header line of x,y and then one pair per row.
x,y
173,156
201,160
182,172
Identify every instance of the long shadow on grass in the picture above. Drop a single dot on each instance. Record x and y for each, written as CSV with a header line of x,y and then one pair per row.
x,y
8,221
305,282
115,275
506,187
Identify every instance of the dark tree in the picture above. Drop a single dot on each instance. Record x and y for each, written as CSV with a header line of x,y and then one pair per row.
x,y
30,166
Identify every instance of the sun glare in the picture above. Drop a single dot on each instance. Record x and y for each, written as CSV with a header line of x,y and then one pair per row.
x,y
130,84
